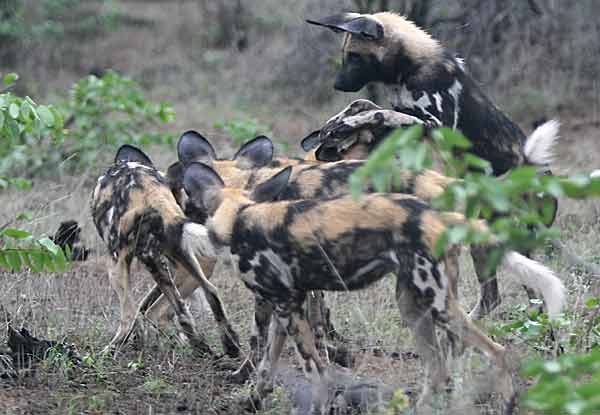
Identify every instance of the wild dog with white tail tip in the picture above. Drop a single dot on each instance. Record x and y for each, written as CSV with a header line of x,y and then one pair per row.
x,y
137,216
286,249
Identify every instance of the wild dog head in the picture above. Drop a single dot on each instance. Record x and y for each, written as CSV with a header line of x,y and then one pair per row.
x,y
379,47
209,194
251,164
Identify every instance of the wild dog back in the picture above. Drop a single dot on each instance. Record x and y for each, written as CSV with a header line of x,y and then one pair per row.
x,y
133,201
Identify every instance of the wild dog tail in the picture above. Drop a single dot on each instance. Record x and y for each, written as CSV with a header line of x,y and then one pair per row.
x,y
540,278
195,241
539,145
526,271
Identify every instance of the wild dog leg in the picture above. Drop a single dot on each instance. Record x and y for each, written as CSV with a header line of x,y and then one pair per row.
x,y
490,296
159,269
318,316
463,327
420,320
291,318
263,311
270,358
118,275
452,271
229,338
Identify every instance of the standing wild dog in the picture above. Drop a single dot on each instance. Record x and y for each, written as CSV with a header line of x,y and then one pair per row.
x,y
429,85
254,163
286,249
136,215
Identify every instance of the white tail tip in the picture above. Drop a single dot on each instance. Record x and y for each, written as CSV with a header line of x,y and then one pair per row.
x,y
539,145
540,278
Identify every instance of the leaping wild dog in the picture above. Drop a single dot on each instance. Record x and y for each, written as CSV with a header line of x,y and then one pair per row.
x,y
427,84
137,216
285,249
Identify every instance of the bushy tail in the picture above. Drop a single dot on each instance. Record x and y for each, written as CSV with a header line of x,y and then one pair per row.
x,y
526,271
195,240
538,277
539,145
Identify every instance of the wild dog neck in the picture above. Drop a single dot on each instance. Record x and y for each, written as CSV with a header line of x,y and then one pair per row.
x,y
220,223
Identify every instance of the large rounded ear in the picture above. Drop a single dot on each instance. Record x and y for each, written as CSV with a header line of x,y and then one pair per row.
x,y
192,146
127,153
311,141
327,154
203,186
270,189
361,25
256,153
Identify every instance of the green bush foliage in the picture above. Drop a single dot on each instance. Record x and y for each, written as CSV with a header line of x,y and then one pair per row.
x,y
570,384
104,113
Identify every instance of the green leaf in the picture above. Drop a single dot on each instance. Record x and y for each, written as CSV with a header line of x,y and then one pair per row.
x,y
3,261
13,258
13,110
49,245
15,233
1,120
449,139
37,261
10,79
46,115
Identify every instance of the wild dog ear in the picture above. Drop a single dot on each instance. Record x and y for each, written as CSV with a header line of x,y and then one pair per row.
x,y
192,146
311,141
175,175
327,154
358,24
269,190
127,153
256,153
203,186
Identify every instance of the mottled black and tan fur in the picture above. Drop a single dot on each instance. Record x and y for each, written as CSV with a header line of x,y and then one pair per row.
x,y
254,164
286,249
137,216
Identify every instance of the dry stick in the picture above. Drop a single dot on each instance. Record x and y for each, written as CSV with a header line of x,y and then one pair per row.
x,y
575,260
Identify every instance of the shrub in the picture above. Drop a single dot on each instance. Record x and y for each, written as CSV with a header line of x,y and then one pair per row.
x,y
104,113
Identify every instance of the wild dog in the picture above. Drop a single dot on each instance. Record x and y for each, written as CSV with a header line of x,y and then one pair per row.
x,y
285,249
427,84
254,163
425,81
137,216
